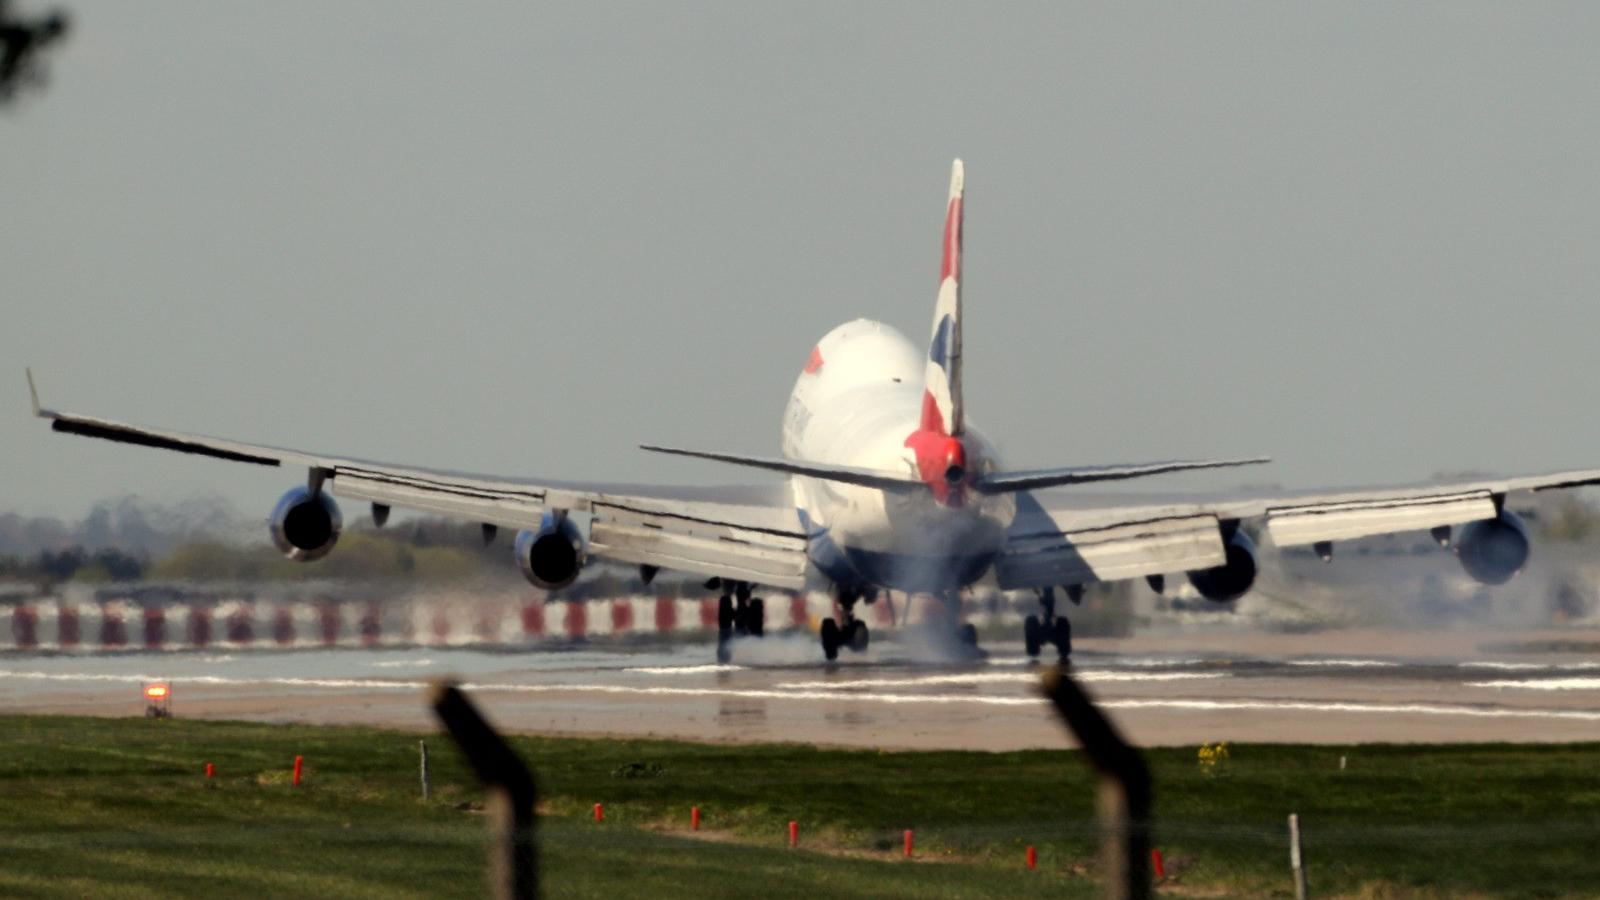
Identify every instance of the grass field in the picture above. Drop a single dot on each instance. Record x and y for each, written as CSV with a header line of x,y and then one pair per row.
x,y
120,807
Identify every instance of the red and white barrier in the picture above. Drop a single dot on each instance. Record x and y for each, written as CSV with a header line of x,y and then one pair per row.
x,y
445,619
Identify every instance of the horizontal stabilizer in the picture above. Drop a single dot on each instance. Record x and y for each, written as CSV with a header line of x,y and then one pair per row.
x,y
1005,482
873,478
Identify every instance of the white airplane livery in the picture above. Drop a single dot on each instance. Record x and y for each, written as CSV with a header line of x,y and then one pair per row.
x,y
888,487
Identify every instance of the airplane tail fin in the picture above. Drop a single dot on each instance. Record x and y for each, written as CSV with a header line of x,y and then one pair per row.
x,y
941,399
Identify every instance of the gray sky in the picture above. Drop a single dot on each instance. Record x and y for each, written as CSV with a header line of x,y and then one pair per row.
x,y
521,239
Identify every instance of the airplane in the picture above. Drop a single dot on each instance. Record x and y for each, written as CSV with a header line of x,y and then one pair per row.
x,y
887,487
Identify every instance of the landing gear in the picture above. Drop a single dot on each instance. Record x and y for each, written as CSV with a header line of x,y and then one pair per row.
x,y
963,637
738,615
1036,630
859,637
830,639
756,617
846,630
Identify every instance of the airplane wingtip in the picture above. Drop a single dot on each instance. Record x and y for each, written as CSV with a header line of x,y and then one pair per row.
x,y
33,391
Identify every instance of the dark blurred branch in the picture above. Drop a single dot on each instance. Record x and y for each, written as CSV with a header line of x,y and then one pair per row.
x,y
1124,800
21,41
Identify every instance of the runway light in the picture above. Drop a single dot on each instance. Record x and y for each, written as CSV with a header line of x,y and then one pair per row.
x,y
158,700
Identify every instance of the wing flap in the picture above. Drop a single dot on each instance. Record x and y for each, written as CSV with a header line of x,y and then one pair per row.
x,y
715,548
1110,552
1351,519
505,511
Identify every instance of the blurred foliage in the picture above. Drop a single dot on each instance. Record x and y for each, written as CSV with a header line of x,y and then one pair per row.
x,y
359,555
74,564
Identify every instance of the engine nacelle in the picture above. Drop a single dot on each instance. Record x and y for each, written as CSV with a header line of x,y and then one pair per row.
x,y
305,526
1233,578
1494,550
551,555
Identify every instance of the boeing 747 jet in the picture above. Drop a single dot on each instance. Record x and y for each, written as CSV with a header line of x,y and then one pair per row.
x,y
887,486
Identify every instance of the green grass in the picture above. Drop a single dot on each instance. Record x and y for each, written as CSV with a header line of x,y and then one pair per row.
x,y
97,806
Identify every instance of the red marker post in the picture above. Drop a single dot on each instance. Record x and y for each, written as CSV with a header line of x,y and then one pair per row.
x,y
1157,865
299,764
599,812
211,771
1033,858
794,833
908,843
694,818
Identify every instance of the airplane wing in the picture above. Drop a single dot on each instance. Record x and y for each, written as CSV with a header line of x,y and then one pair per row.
x,y
1063,537
744,533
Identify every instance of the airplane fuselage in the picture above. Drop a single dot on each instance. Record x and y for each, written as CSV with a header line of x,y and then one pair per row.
x,y
858,403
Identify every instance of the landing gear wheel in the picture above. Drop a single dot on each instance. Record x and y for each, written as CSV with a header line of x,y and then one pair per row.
x,y
756,617
859,636
830,639
968,634
1032,636
1061,636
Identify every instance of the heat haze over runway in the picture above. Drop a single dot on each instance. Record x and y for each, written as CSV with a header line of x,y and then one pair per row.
x,y
1333,687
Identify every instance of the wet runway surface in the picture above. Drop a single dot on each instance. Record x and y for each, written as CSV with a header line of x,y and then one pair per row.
x,y
1336,687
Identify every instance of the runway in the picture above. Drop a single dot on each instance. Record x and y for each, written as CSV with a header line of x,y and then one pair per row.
x,y
1332,687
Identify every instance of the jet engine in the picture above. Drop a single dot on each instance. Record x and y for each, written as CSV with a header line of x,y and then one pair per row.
x,y
551,555
305,525
1494,550
1234,577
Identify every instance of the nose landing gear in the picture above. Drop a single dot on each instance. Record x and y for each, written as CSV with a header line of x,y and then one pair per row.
x,y
738,615
1053,629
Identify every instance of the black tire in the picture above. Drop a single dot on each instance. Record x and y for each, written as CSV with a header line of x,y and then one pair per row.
x,y
968,634
725,617
830,639
859,636
1032,637
757,617
1061,636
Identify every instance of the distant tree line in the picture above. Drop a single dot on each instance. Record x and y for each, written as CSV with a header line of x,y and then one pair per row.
x,y
74,563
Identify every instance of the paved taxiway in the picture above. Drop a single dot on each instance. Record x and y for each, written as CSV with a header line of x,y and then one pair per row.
x,y
1332,687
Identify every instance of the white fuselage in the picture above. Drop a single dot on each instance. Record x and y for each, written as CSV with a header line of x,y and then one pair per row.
x,y
855,404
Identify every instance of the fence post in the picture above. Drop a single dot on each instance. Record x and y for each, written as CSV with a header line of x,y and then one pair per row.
x,y
1297,863
1123,804
422,748
513,870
